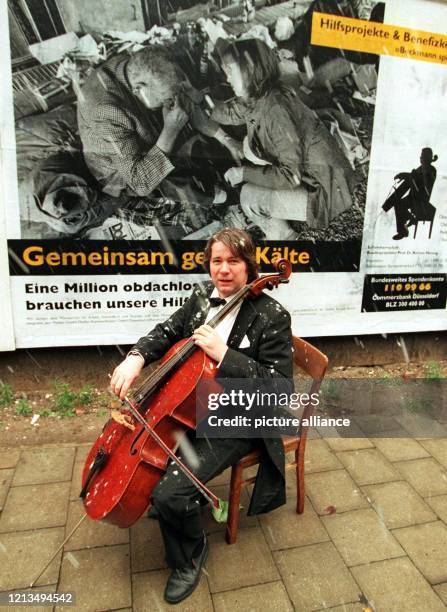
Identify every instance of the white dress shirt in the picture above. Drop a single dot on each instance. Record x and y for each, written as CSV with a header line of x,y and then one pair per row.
x,y
226,325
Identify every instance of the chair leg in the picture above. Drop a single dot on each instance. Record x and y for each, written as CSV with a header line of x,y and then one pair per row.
x,y
233,506
415,229
431,227
299,468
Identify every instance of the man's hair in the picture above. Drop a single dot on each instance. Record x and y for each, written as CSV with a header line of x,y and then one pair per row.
x,y
258,63
157,60
240,244
427,155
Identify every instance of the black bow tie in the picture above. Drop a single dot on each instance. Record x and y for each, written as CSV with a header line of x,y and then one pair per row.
x,y
216,301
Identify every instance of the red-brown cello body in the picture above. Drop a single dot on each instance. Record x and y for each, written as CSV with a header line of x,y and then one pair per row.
x,y
121,491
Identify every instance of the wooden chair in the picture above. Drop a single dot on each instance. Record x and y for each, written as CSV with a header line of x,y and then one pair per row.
x,y
314,363
427,214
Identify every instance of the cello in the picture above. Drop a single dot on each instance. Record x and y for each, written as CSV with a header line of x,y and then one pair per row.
x,y
131,454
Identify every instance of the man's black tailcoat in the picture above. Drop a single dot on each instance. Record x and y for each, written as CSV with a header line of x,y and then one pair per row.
x,y
266,324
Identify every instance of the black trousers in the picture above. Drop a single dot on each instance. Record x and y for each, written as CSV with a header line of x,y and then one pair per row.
x,y
178,501
403,214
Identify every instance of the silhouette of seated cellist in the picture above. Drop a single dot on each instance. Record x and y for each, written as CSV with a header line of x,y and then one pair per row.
x,y
411,198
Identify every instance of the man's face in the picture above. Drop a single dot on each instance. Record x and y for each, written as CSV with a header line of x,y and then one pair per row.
x,y
228,271
152,90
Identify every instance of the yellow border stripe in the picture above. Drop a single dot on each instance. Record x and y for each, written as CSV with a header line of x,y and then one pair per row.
x,y
370,37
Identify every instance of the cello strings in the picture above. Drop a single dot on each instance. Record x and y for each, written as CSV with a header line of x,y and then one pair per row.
x,y
155,377
190,344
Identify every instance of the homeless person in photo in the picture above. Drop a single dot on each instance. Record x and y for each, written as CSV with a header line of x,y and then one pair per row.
x,y
297,171
139,121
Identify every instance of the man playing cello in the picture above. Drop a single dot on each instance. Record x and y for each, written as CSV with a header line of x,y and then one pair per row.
x,y
253,341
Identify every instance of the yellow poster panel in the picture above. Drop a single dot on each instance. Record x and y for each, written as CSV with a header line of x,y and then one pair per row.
x,y
359,35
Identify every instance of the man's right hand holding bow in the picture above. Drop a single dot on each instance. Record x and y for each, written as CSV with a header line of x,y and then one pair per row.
x,y
125,374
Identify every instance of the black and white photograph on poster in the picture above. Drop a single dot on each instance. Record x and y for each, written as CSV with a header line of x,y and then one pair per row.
x,y
177,118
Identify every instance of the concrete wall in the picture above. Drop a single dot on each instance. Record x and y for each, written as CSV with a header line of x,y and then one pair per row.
x,y
383,350
31,369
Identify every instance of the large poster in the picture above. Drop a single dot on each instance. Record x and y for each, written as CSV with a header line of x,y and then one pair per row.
x,y
130,137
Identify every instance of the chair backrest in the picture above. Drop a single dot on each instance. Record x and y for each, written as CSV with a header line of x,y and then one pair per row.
x,y
426,212
314,363
309,359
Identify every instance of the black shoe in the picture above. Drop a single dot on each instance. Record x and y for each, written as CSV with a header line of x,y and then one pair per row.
x,y
152,513
183,581
401,235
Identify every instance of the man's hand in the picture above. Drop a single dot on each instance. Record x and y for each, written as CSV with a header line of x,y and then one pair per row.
x,y
210,342
125,374
175,118
234,175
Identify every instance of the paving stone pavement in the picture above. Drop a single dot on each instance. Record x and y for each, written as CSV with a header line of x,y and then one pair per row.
x,y
373,536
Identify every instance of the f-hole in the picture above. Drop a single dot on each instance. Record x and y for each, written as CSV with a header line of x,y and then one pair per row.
x,y
133,450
